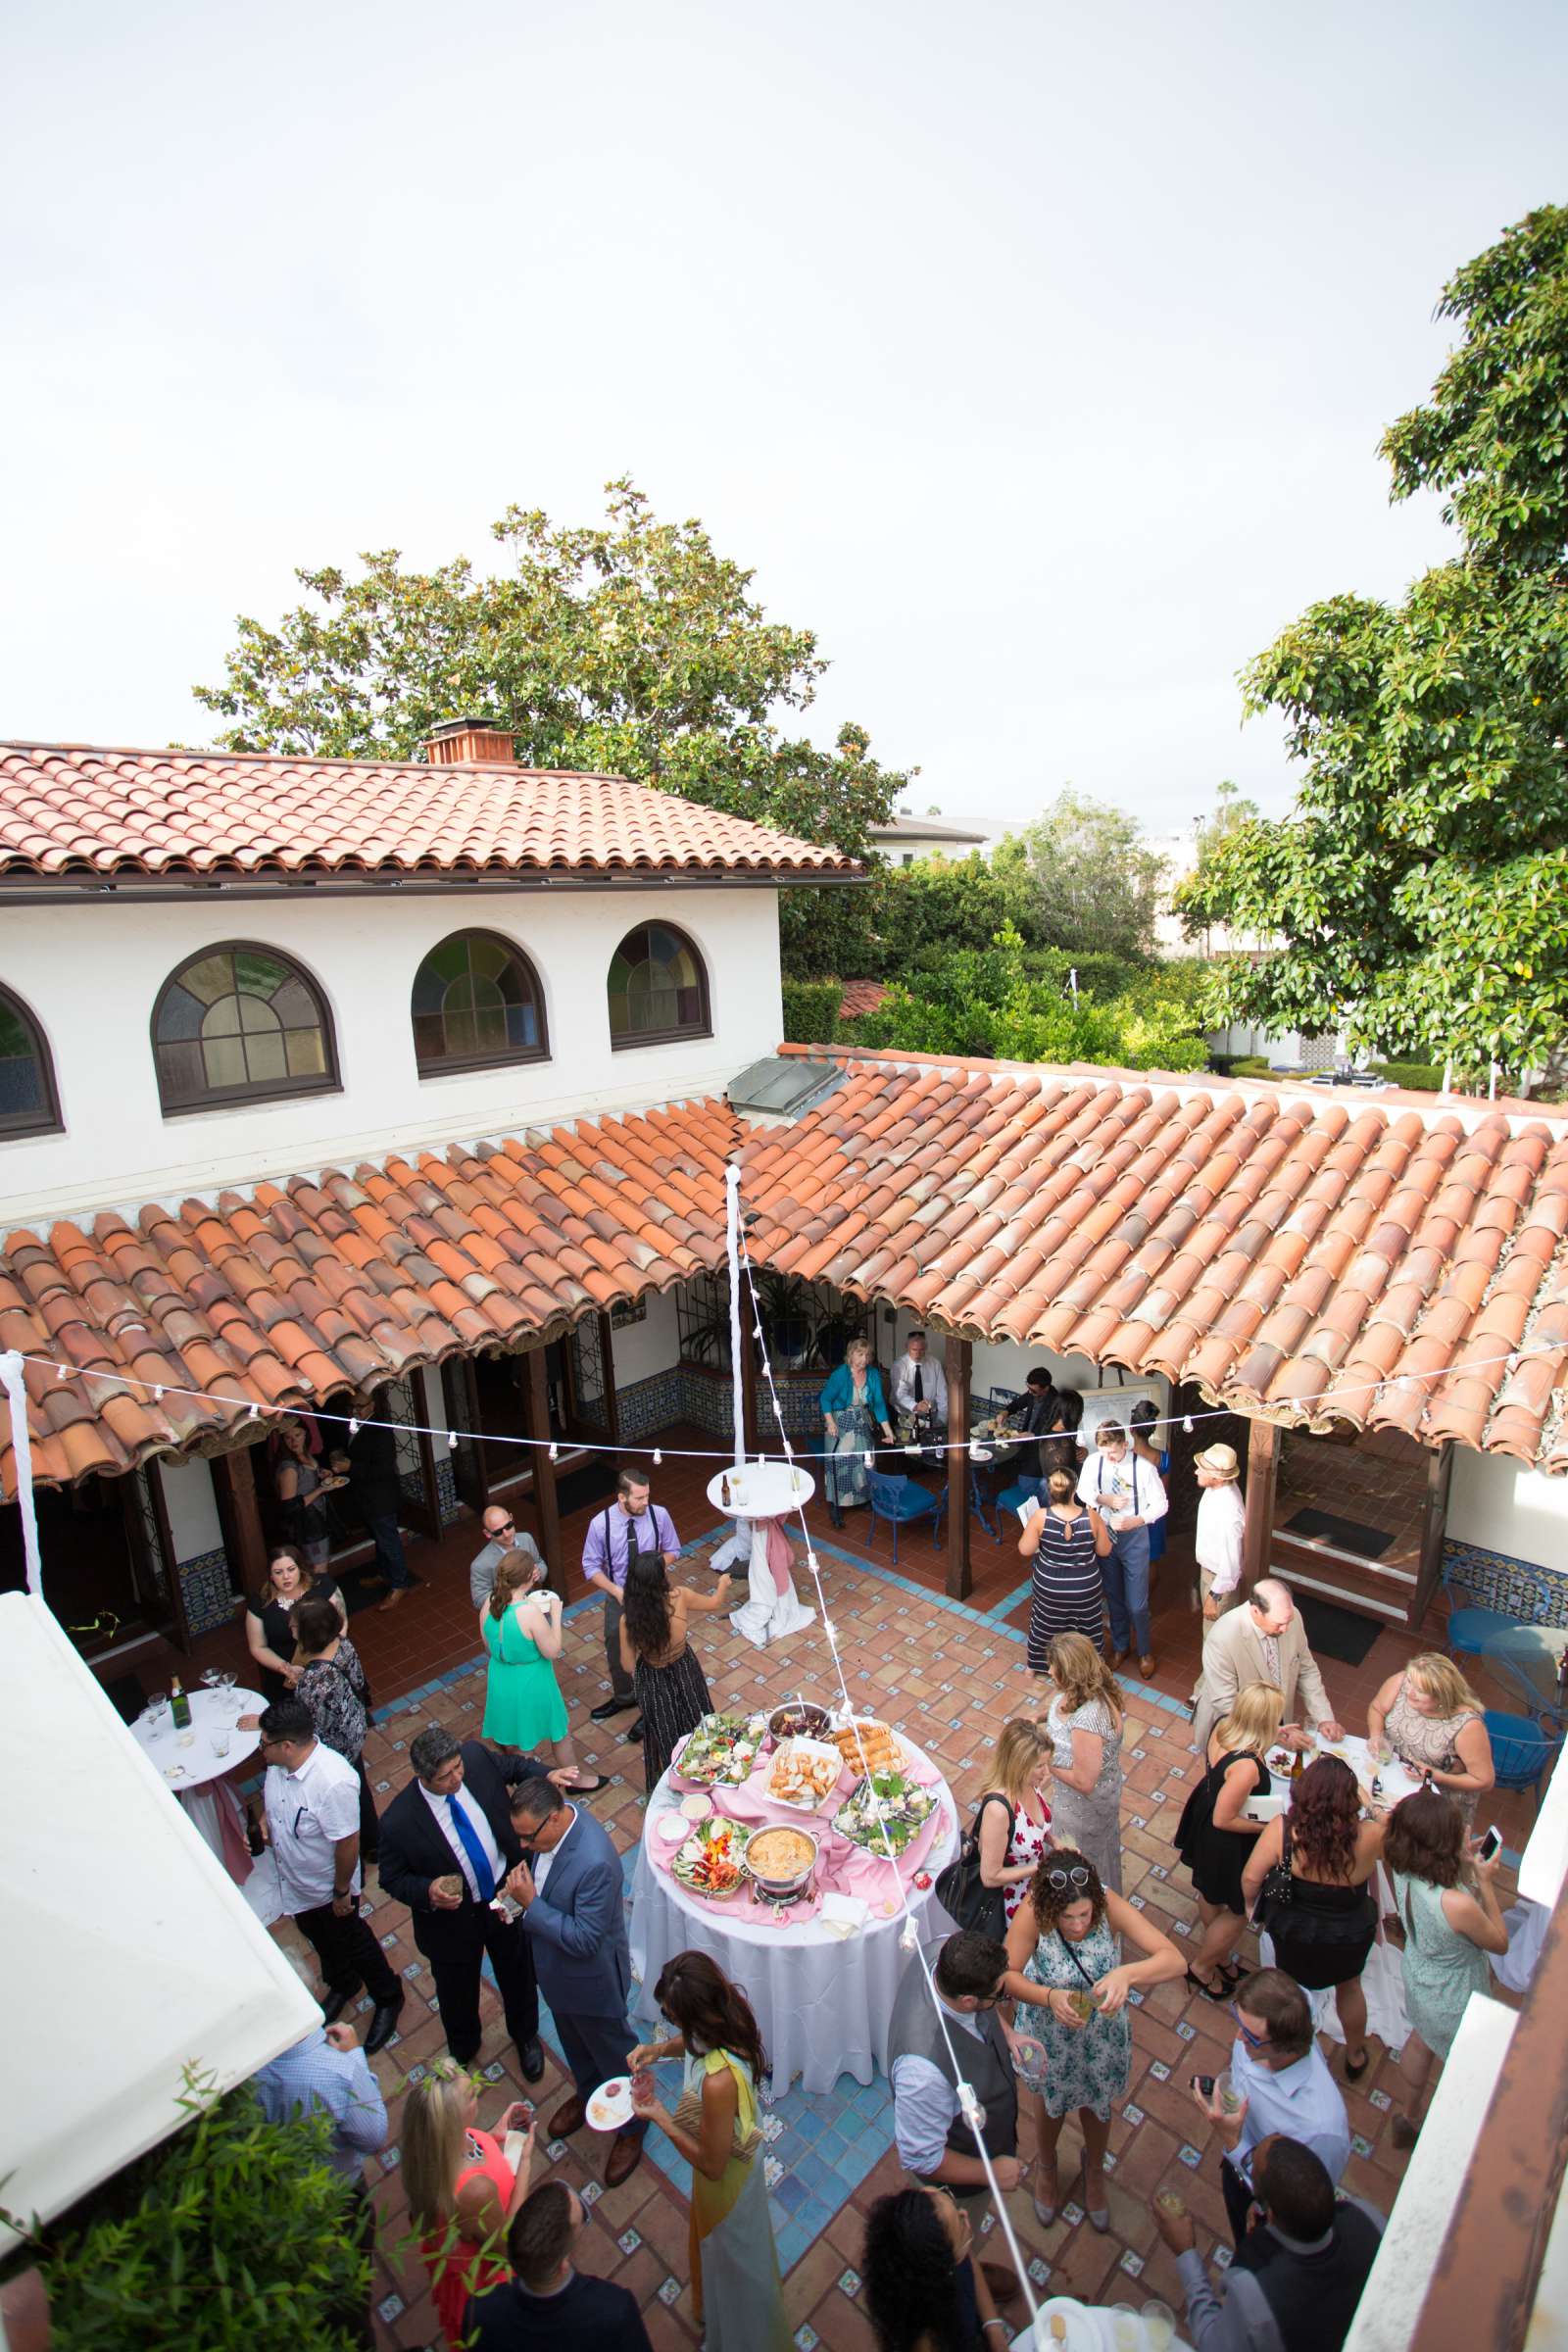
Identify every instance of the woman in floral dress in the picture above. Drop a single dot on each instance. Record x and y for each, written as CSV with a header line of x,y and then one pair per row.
x,y
1066,1973
1012,1818
854,1409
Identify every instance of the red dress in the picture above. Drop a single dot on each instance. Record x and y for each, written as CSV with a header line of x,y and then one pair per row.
x,y
457,2269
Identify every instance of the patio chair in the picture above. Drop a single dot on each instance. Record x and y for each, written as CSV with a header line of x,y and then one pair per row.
x,y
1476,1631
899,1501
1523,1751
976,1504
1013,1497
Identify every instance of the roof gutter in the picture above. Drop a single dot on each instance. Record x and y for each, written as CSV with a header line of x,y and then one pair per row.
x,y
38,890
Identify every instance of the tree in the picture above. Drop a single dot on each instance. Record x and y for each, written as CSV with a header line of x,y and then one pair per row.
x,y
1095,882
1421,889
1230,811
632,648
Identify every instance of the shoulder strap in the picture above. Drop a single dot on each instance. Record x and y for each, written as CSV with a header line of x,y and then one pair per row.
x,y
1073,1957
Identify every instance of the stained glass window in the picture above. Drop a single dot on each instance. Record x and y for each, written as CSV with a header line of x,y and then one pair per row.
x,y
237,1025
476,1003
658,988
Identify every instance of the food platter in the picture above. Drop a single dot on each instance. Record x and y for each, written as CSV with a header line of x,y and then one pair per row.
x,y
798,1719
781,1861
710,1861
721,1750
804,1773
905,1808
868,1745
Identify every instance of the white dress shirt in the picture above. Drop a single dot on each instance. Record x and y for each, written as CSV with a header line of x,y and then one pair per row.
x,y
933,1384
545,1862
925,2104
481,1829
1116,1488
307,1812
1303,2101
1221,1523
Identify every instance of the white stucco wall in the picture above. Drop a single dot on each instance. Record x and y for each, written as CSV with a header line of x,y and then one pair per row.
x,y
652,1346
1504,1507
89,973
194,1526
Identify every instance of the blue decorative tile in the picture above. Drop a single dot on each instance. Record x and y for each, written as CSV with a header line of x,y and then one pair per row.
x,y
669,2292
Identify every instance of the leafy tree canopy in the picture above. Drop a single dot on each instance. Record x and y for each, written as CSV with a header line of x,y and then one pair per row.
x,y
1421,889
632,648
1094,880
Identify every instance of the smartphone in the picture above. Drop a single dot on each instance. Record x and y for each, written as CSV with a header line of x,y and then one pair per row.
x,y
1490,1845
1203,2083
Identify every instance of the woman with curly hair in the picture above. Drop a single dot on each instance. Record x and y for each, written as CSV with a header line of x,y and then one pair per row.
x,y
1323,1931
923,2288
1065,1965
1446,1900
738,2300
671,1684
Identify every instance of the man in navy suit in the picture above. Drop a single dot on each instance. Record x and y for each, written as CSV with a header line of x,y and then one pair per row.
x,y
447,1845
574,1922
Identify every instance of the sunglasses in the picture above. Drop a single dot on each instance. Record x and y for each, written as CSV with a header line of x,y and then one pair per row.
x,y
503,1527
1253,2040
1061,1880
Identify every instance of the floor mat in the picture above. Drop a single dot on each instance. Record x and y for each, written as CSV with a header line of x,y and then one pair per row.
x,y
361,1590
1336,1633
1351,1535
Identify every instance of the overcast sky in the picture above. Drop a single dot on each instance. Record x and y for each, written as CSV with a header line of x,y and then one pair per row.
x,y
1035,358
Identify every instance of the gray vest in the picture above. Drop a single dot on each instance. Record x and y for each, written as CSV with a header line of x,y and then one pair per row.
x,y
914,2032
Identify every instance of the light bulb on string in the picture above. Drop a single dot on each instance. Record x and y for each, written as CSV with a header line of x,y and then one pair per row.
x,y
61,1374
158,1395
353,1429
555,1453
870,1460
255,1413
909,1941
659,1460
452,1440
1186,1424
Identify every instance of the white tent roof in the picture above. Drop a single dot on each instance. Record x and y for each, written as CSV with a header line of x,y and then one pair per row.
x,y
126,1952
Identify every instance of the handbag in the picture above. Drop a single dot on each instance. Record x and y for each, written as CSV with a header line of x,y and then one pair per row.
x,y
961,1891
1276,1889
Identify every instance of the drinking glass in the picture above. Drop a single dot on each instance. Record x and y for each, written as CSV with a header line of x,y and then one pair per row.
x,y
157,1713
1385,1752
220,1735
1126,2328
1228,2093
1159,2327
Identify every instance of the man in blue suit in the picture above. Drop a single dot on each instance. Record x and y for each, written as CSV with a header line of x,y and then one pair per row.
x,y
575,1923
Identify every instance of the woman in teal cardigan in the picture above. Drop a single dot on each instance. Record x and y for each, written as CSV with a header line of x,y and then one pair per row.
x,y
854,1409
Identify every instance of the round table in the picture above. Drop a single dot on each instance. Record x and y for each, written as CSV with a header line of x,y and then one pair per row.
x,y
196,1774
767,1491
1097,2317
823,2001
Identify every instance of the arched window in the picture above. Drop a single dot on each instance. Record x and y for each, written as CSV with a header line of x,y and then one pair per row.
x,y
658,988
29,1103
476,1004
240,1024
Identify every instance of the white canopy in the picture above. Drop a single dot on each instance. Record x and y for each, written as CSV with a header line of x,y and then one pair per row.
x,y
126,1952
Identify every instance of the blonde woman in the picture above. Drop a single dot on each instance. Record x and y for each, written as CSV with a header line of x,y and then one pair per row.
x,y
1434,1722
460,2189
1214,1838
1084,1725
854,1408
1012,1820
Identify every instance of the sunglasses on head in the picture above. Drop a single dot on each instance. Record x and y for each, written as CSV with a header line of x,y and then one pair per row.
x,y
1253,2040
1062,1876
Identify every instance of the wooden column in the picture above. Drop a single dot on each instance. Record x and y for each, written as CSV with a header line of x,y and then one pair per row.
x,y
1263,1475
607,1367
957,1359
749,1424
544,1470
239,1516
1434,1527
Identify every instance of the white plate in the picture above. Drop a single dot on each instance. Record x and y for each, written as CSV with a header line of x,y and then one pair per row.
x,y
1087,2331
609,2106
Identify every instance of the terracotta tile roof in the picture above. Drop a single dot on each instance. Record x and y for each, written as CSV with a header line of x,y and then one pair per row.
x,y
1281,1250
860,995
71,811
290,1293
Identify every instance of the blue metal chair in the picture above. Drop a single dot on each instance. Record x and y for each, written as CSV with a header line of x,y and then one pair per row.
x,y
1523,1751
1478,1632
976,1504
1012,1498
899,1501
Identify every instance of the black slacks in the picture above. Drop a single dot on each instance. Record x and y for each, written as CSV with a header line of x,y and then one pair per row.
x,y
595,2048
457,1982
1238,2200
349,1953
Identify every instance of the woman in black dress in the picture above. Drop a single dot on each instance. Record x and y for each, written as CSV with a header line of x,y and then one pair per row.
x,y
667,1674
1066,1541
1214,1838
1323,1932
269,1630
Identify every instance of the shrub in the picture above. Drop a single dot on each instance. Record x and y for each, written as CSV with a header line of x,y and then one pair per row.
x,y
234,2234
1250,1065
1419,1077
812,1011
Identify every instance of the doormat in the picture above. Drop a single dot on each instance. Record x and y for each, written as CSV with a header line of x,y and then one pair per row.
x,y
1336,1633
361,1589
1351,1535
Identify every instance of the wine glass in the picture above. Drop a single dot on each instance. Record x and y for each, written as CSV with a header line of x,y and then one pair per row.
x,y
157,1713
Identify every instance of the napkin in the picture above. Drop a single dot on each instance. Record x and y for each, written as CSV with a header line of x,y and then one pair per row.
x,y
845,1914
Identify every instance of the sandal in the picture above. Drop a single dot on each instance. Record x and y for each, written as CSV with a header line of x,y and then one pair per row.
x,y
1045,2214
1207,1991
1231,1976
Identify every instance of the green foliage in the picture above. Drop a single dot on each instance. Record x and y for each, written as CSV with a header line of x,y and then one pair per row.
x,y
986,1001
1417,1077
1094,883
1230,813
632,648
812,1011
234,2234
1421,890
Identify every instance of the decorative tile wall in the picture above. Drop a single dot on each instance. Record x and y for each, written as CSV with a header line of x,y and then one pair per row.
x,y
446,1487
207,1591
1498,1581
687,1393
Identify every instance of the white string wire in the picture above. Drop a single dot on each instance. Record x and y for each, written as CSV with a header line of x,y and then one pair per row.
x,y
909,1933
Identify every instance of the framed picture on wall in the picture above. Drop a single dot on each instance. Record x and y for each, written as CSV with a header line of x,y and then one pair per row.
x,y
1117,1402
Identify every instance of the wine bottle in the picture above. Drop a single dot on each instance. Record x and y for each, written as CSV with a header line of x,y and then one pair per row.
x,y
178,1704
1297,1764
723,1491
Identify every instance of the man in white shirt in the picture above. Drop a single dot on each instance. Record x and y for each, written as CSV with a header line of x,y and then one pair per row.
x,y
311,1823
1221,1527
1129,1497
1284,2087
919,1391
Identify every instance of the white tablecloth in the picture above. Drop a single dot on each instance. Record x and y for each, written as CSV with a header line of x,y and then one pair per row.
x,y
197,1774
768,1491
823,2001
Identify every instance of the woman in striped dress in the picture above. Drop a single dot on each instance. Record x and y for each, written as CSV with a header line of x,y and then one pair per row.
x,y
1066,1541
671,1684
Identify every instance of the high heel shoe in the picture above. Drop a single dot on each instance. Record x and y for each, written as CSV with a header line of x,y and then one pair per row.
x,y
1046,2175
1207,1991
1098,2215
1353,2073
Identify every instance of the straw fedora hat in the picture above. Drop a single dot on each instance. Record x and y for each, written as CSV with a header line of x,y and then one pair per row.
x,y
1221,1459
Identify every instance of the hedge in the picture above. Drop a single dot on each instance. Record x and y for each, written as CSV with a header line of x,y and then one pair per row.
x,y
812,1011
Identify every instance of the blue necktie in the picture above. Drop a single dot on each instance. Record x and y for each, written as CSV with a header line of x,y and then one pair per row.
x,y
469,1839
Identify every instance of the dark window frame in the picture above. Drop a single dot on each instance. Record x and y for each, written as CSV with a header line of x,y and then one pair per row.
x,y
13,1125
287,1089
453,1065
702,1027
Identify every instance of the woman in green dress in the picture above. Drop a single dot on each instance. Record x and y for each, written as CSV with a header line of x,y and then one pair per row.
x,y
521,1626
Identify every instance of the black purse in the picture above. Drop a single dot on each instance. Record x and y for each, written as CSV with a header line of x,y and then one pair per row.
x,y
1276,1890
961,1891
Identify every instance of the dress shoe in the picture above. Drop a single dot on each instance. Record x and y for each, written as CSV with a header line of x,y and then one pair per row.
x,y
611,1706
635,1734
1146,1667
588,1784
1002,2282
392,1598
531,2059
333,2005
625,2155
383,2025
1119,1657
566,2120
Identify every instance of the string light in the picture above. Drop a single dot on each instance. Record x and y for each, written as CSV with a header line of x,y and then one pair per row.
x,y
452,1440
157,1395
659,1460
555,1453
59,1375
354,1430
1186,1424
